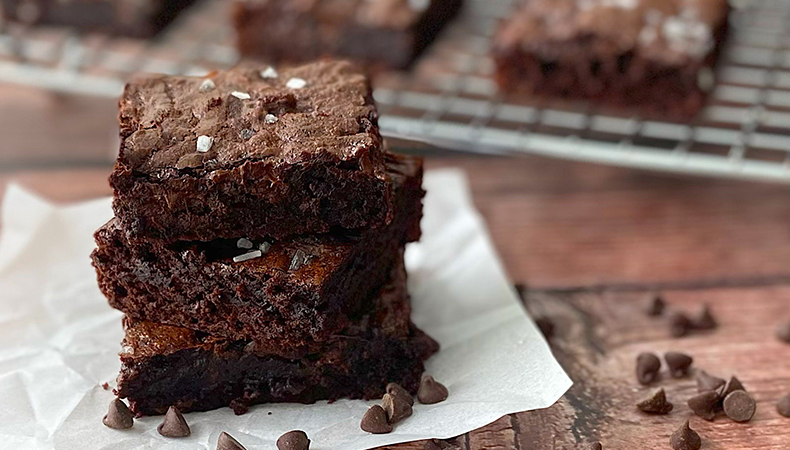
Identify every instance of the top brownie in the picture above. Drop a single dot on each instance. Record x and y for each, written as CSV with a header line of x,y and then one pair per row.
x,y
250,152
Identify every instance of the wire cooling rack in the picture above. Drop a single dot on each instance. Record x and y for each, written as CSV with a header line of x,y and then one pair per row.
x,y
450,100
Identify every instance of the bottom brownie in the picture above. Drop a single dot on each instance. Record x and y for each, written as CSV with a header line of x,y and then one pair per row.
x,y
163,365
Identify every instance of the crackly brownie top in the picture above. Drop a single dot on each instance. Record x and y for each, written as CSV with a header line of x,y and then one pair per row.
x,y
672,31
322,110
390,316
396,14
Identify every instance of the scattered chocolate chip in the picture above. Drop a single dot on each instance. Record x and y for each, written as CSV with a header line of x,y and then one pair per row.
x,y
739,406
733,385
105,386
375,421
678,363
293,440
679,324
655,305
783,332
705,319
398,391
705,404
685,438
227,442
596,446
174,425
431,391
655,403
396,408
783,406
436,444
546,326
647,367
707,382
118,416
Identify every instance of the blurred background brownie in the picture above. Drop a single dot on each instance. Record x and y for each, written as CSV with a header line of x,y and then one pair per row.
x,y
385,33
654,55
136,18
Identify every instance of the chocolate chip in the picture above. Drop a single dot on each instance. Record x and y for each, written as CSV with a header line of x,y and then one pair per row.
x,y
398,391
678,363
655,403
118,416
227,442
436,444
396,408
293,440
431,391
783,332
705,319
375,421
707,382
655,305
546,326
705,404
685,438
739,406
596,446
783,406
174,425
647,367
679,324
733,385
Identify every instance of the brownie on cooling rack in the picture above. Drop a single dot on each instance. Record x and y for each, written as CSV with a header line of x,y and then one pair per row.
x,y
656,56
163,366
251,152
287,295
379,33
136,18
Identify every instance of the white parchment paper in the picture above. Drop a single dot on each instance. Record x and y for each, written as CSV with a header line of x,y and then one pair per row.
x,y
59,339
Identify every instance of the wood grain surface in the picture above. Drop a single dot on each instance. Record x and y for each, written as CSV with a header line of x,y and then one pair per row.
x,y
589,243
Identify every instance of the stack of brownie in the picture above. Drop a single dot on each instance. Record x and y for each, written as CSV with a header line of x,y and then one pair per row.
x,y
257,245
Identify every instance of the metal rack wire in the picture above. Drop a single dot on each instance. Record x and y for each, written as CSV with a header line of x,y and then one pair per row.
x,y
449,99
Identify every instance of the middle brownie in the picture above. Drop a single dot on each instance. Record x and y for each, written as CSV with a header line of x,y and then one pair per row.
x,y
295,295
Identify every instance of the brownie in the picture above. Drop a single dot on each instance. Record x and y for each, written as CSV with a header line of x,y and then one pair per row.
x,y
655,56
296,294
136,18
385,33
163,365
251,152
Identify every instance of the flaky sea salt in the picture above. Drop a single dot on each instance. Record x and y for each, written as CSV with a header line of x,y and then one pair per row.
x,y
248,256
207,85
265,247
240,95
270,118
296,83
299,259
244,243
204,143
269,73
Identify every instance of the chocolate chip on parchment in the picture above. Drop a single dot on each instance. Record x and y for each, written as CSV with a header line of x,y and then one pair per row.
x,y
431,391
396,408
783,406
174,425
655,305
293,440
739,406
731,386
707,382
679,324
375,421
705,404
647,367
228,442
655,403
398,391
118,416
705,320
783,332
678,363
684,438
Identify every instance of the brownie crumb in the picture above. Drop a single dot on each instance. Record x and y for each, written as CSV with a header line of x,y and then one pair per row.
x,y
739,406
647,367
293,440
655,403
105,386
431,391
678,363
118,416
375,421
685,438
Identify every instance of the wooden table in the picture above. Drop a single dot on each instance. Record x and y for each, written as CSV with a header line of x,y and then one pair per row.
x,y
589,243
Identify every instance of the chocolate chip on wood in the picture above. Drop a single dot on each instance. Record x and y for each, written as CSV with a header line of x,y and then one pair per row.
x,y
118,416
783,332
707,382
293,440
228,442
684,438
396,408
655,403
705,319
647,367
678,363
679,324
375,421
431,391
174,425
739,406
783,406
731,386
655,305
705,404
